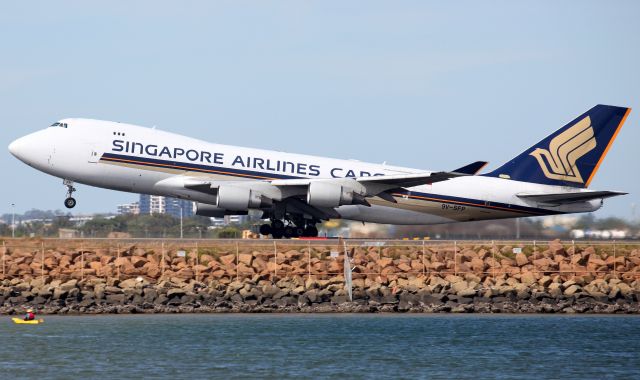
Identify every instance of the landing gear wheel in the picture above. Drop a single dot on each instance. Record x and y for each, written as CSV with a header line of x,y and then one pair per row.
x,y
289,232
70,202
277,225
299,231
265,229
311,231
277,233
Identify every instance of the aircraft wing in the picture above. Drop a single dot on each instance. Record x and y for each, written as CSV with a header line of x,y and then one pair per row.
x,y
282,189
573,197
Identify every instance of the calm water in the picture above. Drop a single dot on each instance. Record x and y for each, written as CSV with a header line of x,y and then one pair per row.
x,y
323,346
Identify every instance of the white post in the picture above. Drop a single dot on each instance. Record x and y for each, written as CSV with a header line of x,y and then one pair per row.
x,y
197,261
81,262
4,249
181,222
493,267
309,259
42,265
423,265
118,261
275,260
573,264
162,271
615,274
455,258
13,220
237,263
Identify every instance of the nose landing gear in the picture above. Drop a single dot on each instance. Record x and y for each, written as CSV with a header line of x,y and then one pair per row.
x,y
69,202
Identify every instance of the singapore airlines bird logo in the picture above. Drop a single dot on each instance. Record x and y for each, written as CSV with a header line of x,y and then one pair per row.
x,y
559,161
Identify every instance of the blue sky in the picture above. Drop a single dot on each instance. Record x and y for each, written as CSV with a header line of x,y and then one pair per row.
x,y
432,85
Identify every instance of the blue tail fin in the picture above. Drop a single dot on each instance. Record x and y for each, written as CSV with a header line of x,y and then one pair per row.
x,y
571,155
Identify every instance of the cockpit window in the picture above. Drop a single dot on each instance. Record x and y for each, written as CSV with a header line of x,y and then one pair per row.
x,y
56,124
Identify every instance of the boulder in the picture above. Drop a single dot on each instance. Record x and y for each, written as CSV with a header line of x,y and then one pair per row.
x,y
59,294
478,265
129,283
228,259
138,261
404,267
460,286
112,290
453,279
545,281
152,270
384,262
115,299
521,259
571,290
67,286
528,278
175,292
468,292
245,258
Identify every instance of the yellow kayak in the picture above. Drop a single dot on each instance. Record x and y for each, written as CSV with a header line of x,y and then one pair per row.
x,y
21,321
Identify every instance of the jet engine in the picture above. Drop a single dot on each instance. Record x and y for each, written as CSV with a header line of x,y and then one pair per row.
x,y
323,194
240,198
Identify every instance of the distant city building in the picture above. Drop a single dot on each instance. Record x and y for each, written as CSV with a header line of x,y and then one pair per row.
x,y
129,208
155,204
67,233
173,207
151,204
229,219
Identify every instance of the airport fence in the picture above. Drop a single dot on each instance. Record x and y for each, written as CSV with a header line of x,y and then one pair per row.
x,y
238,260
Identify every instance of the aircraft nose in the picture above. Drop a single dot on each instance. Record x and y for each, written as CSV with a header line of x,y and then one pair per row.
x,y
19,147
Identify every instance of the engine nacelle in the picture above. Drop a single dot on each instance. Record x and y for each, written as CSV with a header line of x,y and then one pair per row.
x,y
240,198
324,194
214,211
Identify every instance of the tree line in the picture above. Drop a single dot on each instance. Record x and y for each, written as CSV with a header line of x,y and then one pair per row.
x,y
136,226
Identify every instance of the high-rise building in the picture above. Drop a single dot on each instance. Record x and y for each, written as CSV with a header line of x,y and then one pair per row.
x,y
173,206
129,208
156,204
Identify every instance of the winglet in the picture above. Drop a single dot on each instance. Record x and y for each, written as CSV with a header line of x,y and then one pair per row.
x,y
472,168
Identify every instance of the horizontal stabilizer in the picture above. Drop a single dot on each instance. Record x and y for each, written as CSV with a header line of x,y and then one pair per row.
x,y
472,168
564,198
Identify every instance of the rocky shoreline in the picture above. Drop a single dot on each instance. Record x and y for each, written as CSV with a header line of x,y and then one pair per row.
x,y
140,280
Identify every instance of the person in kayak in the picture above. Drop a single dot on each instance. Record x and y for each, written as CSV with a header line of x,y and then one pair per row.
x,y
30,316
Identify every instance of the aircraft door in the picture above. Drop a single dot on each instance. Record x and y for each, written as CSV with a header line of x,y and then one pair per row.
x,y
94,153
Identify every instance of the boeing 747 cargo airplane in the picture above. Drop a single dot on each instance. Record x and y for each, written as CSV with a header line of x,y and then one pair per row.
x,y
295,192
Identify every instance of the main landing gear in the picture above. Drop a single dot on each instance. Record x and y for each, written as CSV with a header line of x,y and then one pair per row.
x,y
69,202
277,229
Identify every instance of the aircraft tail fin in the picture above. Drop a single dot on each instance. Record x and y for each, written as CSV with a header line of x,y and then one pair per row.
x,y
571,155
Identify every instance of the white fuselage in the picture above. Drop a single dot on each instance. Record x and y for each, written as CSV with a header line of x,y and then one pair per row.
x,y
140,160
